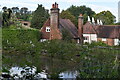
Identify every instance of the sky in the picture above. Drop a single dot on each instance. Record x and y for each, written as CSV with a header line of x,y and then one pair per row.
x,y
95,5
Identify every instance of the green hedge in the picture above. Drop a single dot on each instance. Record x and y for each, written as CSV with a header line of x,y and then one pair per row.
x,y
20,40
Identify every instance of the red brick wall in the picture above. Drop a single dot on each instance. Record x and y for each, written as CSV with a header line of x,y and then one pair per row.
x,y
54,23
80,27
108,41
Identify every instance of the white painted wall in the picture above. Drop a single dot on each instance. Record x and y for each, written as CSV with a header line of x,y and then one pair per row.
x,y
91,37
116,41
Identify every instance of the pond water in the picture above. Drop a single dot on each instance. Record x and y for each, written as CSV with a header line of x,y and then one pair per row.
x,y
23,73
44,67
35,67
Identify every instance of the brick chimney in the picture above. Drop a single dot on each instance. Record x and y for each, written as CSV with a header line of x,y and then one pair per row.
x,y
54,22
80,28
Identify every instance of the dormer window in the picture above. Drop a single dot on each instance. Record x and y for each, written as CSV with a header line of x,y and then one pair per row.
x,y
47,29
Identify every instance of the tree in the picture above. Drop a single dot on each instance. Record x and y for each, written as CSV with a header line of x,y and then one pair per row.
x,y
22,13
39,17
106,16
15,9
117,23
24,10
77,10
68,15
4,8
6,16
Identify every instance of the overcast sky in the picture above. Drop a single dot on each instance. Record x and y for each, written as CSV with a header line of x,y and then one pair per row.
x,y
96,5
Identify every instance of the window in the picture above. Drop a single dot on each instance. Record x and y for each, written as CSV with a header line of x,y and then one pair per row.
x,y
47,29
85,38
104,39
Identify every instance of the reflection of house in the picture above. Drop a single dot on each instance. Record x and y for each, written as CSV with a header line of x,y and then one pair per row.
x,y
25,23
69,75
90,32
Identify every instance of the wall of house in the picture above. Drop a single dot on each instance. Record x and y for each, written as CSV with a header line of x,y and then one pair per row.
x,y
107,41
116,41
45,32
90,38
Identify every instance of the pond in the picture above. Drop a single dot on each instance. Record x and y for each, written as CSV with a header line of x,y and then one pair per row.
x,y
36,67
39,67
23,73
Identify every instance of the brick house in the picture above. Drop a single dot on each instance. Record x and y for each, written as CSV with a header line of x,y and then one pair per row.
x,y
91,31
52,28
109,34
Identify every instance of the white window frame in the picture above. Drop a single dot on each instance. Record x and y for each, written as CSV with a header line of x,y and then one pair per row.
x,y
47,29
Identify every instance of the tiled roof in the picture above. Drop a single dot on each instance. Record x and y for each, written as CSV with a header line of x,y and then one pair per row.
x,y
69,26
63,24
89,28
109,31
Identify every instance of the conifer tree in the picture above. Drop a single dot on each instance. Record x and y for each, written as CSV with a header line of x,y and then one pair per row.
x,y
39,17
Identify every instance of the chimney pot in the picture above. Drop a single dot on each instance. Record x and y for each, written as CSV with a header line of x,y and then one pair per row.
x,y
57,6
53,6
81,15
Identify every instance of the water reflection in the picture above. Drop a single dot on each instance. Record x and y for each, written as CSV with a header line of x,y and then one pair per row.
x,y
44,67
69,75
30,73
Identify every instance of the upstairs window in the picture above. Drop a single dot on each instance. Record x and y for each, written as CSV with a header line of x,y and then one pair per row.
x,y
86,37
47,29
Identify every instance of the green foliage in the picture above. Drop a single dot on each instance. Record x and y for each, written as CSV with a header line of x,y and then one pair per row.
x,y
22,13
6,15
68,15
91,62
106,16
60,49
77,10
117,23
99,65
20,40
95,44
39,17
